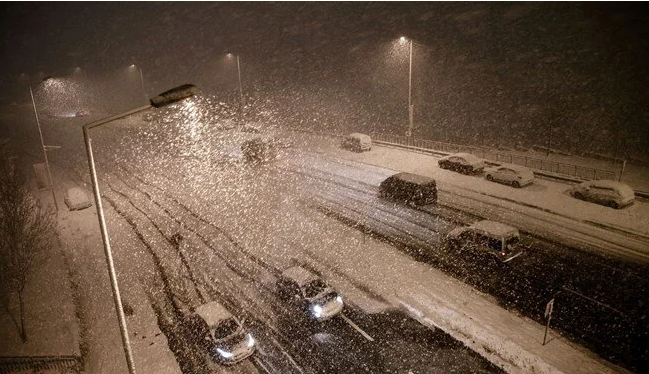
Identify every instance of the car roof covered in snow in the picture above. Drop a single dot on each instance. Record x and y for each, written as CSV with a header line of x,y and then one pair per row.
x,y
358,135
213,313
413,178
622,188
466,156
518,168
300,275
495,228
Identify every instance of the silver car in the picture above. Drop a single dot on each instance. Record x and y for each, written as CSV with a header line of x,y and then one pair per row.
x,y
514,175
490,237
214,328
309,293
605,192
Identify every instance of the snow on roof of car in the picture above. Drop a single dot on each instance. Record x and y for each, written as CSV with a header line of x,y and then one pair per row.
x,y
413,178
622,188
494,228
518,168
466,156
300,275
213,313
358,135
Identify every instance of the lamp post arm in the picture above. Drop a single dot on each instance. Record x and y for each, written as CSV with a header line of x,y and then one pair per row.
x,y
115,117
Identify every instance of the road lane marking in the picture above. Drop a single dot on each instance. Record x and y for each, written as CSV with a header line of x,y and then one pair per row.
x,y
260,364
355,327
287,355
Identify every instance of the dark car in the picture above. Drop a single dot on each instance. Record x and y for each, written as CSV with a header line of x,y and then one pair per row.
x,y
410,188
465,163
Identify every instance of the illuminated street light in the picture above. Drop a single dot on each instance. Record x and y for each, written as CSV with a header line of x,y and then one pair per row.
x,y
164,99
230,55
404,40
133,66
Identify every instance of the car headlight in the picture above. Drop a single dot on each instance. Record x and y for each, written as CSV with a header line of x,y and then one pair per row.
x,y
224,354
339,299
317,311
251,341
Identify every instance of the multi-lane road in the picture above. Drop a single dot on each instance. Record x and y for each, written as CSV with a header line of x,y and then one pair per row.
x,y
242,224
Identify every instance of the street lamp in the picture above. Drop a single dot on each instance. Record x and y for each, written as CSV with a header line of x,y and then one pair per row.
x,y
230,55
404,40
133,66
43,146
164,99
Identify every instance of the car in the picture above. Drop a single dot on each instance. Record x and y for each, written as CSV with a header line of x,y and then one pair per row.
x,y
514,175
465,163
309,293
259,149
81,113
606,192
494,238
218,331
357,142
412,189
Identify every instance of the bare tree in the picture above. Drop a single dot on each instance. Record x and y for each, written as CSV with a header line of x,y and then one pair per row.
x,y
26,229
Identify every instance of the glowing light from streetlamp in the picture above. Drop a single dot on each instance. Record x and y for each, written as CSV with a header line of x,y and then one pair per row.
x,y
403,40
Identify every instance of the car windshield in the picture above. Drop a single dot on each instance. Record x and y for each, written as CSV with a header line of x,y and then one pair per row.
x,y
313,288
225,328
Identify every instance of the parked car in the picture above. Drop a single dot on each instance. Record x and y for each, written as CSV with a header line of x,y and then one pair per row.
x,y
605,192
465,163
214,328
515,175
412,189
357,142
309,293
259,149
493,238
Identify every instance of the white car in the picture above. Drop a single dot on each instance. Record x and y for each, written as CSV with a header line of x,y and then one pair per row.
x,y
213,327
465,163
493,238
605,192
514,175
306,291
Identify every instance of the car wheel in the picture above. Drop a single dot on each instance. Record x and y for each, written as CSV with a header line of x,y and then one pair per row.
x,y
442,165
613,204
578,195
515,184
490,178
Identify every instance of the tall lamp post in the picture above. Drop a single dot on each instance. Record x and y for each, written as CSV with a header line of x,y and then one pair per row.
x,y
404,40
240,87
133,66
45,149
164,99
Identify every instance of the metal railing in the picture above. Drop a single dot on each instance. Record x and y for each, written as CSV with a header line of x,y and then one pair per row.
x,y
41,364
568,169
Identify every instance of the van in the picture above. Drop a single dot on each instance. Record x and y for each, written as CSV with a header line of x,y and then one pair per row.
x,y
357,142
410,188
490,237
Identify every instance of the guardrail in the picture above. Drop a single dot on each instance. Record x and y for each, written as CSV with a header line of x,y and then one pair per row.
x,y
41,364
577,171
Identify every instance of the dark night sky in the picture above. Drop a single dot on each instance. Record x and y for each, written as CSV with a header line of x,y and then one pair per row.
x,y
575,60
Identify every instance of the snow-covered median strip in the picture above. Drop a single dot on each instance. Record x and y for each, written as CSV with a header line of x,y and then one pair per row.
x,y
486,339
